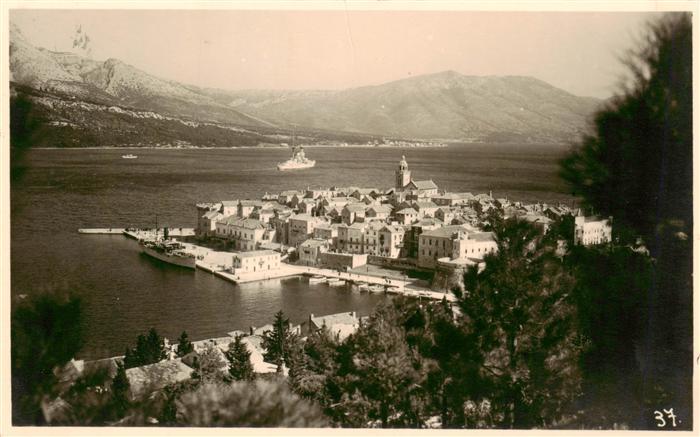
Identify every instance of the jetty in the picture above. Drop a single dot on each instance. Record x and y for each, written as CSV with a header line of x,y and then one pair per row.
x,y
102,231
137,234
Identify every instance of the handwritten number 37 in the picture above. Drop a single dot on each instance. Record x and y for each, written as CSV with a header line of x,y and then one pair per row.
x,y
659,416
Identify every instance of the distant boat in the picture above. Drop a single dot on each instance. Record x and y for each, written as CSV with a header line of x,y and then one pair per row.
x,y
298,161
129,156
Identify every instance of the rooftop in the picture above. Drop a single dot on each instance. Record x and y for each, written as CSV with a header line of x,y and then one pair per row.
x,y
348,318
152,377
254,253
312,242
445,231
424,185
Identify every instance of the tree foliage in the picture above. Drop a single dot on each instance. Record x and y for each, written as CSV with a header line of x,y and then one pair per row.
x,y
280,341
247,404
46,333
637,165
184,345
238,356
149,349
380,377
209,364
520,322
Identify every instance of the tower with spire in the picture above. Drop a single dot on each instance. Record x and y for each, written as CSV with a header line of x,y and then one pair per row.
x,y
403,174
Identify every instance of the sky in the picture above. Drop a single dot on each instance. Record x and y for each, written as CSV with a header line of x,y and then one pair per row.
x,y
335,49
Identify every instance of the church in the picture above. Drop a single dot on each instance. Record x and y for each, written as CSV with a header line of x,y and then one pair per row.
x,y
405,184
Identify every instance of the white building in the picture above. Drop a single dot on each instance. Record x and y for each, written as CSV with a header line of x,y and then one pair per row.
x,y
255,261
592,230
473,245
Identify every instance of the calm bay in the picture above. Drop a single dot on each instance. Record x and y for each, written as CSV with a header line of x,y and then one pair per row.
x,y
126,293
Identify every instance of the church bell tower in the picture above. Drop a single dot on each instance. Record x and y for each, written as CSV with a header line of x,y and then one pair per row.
x,y
403,174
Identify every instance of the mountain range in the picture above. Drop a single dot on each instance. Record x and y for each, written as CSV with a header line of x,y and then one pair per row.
x,y
113,103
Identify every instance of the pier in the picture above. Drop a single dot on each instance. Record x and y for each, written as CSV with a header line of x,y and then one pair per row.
x,y
102,231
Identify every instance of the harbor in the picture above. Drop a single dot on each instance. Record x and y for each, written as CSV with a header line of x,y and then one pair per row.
x,y
219,263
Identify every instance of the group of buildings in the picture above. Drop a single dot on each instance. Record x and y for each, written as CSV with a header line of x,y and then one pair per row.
x,y
149,379
412,224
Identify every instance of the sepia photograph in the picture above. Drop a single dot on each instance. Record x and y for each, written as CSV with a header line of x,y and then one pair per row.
x,y
360,215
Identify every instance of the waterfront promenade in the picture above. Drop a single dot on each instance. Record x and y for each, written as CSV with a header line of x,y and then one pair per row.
x,y
219,263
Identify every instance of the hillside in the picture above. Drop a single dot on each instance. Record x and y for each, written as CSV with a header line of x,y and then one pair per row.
x,y
120,103
112,82
443,105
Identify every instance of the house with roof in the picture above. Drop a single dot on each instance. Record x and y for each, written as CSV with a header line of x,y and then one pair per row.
x,y
229,207
310,251
539,220
437,243
341,325
285,197
452,199
306,206
316,192
263,215
352,212
150,378
425,208
416,229
422,188
301,228
255,262
351,238
364,193
371,237
206,225
242,233
328,232
406,216
473,245
391,241
379,212
446,214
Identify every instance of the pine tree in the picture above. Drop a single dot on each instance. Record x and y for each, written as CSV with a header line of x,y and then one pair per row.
x,y
155,346
380,378
120,390
209,365
184,345
520,323
238,355
279,341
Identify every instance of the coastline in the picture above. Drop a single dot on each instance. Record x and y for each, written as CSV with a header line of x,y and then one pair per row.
x,y
309,146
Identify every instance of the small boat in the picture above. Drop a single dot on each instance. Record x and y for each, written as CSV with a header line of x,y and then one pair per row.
x,y
362,286
375,288
129,156
317,279
335,282
393,289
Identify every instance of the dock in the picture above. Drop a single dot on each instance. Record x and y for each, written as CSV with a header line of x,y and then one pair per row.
x,y
137,234
394,286
102,231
